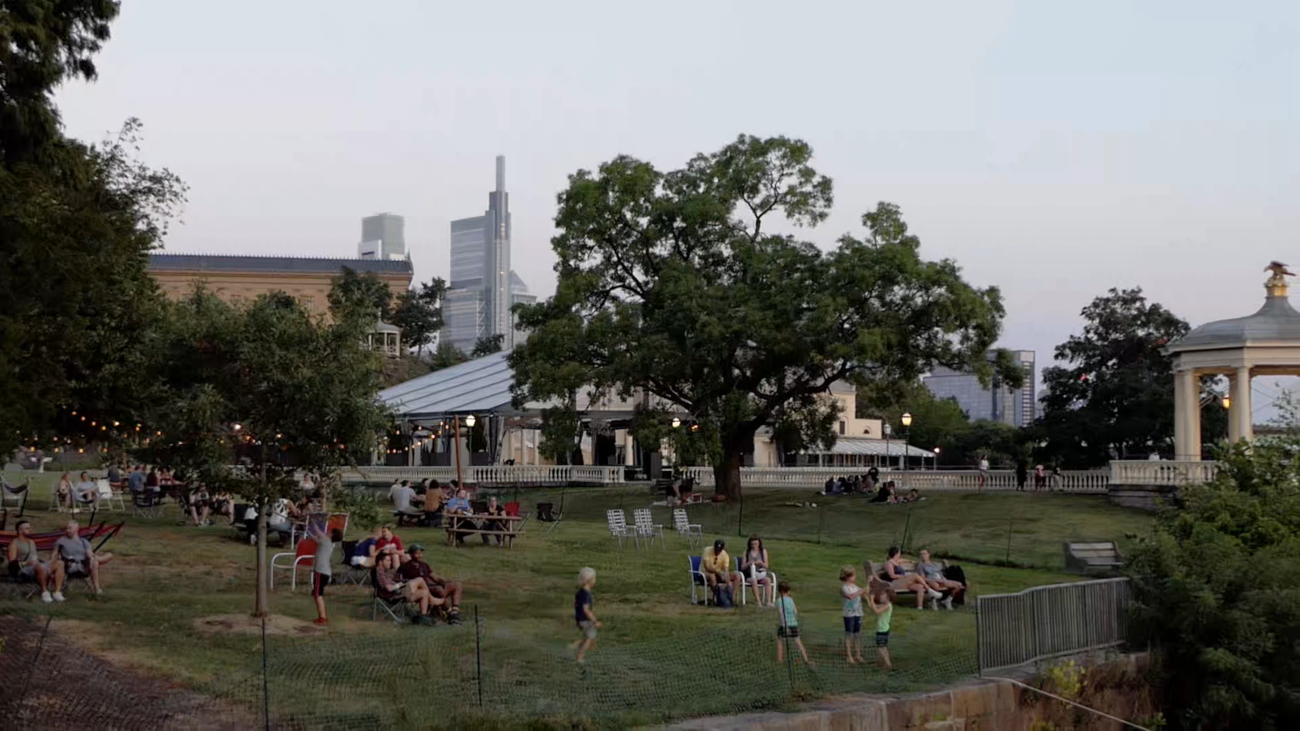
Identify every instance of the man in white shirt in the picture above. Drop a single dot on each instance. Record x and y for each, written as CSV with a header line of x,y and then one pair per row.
x,y
405,499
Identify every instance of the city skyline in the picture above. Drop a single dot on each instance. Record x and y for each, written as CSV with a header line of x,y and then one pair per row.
x,y
1013,146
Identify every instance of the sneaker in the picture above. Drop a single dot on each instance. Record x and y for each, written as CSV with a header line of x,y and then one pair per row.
x,y
45,597
934,604
947,603
99,592
932,594
58,596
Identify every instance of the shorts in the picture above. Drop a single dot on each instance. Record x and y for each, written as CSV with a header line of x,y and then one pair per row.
x,y
588,628
853,625
359,560
882,639
408,591
318,583
790,633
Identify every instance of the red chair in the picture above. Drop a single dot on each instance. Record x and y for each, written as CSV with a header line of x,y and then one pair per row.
x,y
512,509
304,552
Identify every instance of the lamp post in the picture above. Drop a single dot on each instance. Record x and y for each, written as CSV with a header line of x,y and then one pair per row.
x,y
907,434
936,458
888,431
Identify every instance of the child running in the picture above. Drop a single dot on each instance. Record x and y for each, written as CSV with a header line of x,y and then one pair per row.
x,y
321,573
881,602
852,595
788,629
582,613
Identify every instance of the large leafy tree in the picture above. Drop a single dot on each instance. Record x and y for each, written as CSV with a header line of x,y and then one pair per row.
x,y
418,312
487,345
76,224
1114,393
1216,592
287,390
678,284
360,295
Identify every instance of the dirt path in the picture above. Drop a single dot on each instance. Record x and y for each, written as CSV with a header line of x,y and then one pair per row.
x,y
60,685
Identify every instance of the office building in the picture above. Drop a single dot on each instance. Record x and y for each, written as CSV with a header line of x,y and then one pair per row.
x,y
383,236
483,287
1017,407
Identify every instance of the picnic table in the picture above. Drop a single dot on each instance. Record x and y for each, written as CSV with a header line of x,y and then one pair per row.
x,y
459,526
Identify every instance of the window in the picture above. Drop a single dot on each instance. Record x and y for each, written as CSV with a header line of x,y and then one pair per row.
x,y
841,428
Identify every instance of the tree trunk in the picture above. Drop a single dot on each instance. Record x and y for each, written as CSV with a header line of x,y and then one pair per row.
x,y
262,604
726,474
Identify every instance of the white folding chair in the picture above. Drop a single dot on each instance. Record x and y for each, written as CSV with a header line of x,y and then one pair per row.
x,y
644,526
748,580
107,495
688,530
618,527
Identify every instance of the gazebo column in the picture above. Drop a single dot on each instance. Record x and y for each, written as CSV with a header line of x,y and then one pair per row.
x,y
1187,416
1240,424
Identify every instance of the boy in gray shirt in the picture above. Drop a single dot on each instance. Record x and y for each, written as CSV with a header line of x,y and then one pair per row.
x,y
321,573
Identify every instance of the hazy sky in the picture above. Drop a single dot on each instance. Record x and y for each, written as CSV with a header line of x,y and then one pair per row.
x,y
1053,149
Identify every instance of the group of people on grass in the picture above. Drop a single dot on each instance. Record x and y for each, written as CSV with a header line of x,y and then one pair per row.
x,y
72,556
869,484
431,504
397,572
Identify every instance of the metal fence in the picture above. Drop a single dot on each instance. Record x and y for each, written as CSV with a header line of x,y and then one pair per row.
x,y
1050,621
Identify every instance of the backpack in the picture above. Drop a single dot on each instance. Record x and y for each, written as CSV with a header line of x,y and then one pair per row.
x,y
723,597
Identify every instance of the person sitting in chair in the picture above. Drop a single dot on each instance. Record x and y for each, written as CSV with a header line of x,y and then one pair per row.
x,y
405,501
715,564
84,493
25,563
364,553
390,542
73,556
389,583
439,587
494,510
456,507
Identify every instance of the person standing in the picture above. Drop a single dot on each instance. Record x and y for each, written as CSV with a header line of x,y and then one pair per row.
x,y
851,593
788,629
882,603
1022,475
583,614
984,471
321,573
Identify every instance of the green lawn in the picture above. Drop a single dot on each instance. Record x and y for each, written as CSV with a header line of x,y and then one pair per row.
x,y
658,657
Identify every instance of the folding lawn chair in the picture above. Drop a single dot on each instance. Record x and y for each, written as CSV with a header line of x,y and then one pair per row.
x,y
698,582
15,493
692,532
747,580
348,573
546,514
107,495
303,553
146,504
644,527
618,527
394,606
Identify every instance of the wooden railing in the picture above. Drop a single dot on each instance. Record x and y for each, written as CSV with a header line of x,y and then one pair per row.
x,y
1161,473
964,479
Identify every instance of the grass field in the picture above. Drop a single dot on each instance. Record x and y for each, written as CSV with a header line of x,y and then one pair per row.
x,y
658,657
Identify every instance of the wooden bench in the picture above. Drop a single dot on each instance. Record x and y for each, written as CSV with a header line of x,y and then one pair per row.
x,y
1085,557
459,526
874,569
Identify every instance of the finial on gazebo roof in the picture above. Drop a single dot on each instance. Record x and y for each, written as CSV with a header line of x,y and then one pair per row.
x,y
1276,284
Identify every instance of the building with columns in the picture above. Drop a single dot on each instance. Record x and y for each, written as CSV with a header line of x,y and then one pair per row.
x,y
1266,343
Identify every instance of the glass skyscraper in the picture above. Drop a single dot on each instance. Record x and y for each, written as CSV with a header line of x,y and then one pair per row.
x,y
994,403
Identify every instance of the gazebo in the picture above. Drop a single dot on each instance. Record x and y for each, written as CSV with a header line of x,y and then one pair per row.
x,y
1265,343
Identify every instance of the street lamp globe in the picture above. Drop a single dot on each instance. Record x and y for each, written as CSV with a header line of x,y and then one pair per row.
x,y
1227,403
470,421
676,422
907,419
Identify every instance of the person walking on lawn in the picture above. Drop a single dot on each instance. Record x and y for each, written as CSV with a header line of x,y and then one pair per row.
x,y
788,629
583,614
321,573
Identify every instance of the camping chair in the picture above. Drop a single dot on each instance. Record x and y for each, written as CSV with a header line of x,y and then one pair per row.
x,y
698,582
303,553
146,504
107,495
358,575
644,526
55,505
688,530
618,527
546,514
16,493
394,606
747,581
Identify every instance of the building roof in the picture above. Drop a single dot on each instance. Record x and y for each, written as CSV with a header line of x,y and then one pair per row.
x,y
479,386
1276,322
162,262
874,448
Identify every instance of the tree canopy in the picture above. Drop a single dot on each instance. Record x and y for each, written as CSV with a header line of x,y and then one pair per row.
x,y
678,284
418,311
76,224
270,383
360,295
1115,393
487,345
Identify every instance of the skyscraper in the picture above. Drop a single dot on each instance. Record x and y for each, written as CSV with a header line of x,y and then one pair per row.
x,y
995,403
383,236
483,287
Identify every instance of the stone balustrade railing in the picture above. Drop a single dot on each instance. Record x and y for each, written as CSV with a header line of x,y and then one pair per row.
x,y
1161,473
497,474
964,479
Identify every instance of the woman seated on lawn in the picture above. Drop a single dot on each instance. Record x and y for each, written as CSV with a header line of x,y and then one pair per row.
x,y
390,584
753,564
63,491
899,580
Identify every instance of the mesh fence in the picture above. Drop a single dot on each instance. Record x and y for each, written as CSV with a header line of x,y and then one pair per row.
x,y
476,673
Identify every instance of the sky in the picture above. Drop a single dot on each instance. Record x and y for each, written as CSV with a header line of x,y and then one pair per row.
x,y
1054,150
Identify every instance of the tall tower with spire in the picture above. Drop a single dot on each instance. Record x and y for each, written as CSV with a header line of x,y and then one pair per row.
x,y
480,293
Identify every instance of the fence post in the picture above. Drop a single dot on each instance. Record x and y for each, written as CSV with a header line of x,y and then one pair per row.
x,y
979,630
1011,517
740,518
266,688
478,658
821,522
36,658
907,528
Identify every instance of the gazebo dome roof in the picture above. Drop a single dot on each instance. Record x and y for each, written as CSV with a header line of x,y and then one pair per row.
x,y
1276,322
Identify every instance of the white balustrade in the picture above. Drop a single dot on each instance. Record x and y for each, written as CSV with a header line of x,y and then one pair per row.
x,y
1161,473
942,479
